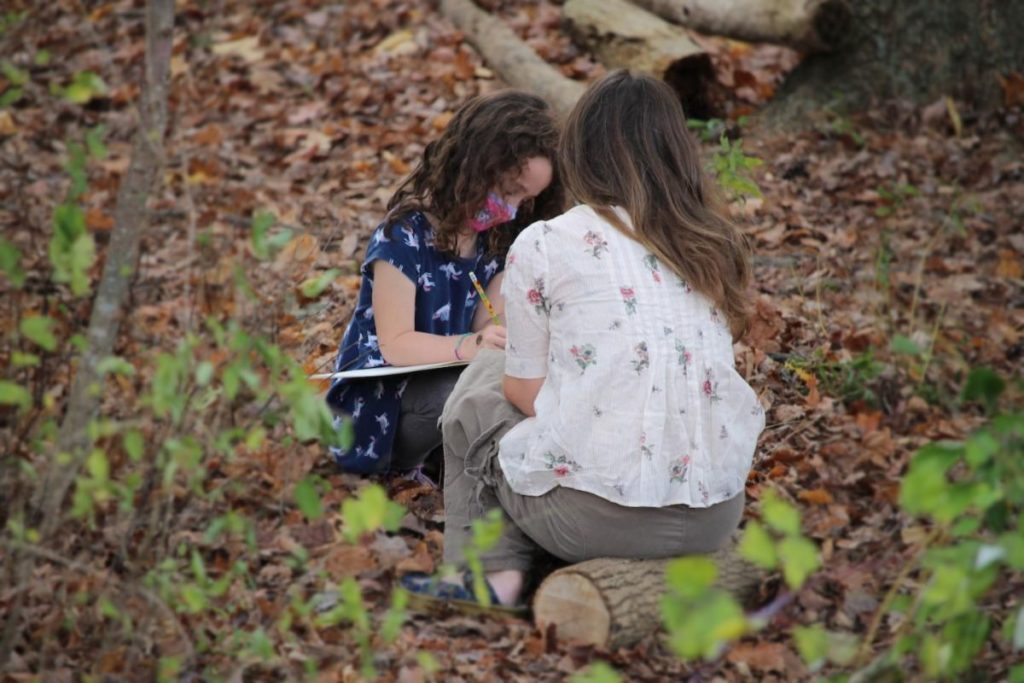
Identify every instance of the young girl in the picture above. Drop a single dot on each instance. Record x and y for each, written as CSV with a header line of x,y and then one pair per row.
x,y
488,175
639,433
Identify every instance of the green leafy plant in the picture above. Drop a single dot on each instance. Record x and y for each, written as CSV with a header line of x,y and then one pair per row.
x,y
848,379
84,87
732,168
369,511
778,543
894,197
16,79
972,495
702,619
729,164
598,672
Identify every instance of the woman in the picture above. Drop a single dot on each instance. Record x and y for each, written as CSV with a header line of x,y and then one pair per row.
x,y
638,433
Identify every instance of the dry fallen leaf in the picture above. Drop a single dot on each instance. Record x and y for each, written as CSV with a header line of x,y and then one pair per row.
x,y
247,48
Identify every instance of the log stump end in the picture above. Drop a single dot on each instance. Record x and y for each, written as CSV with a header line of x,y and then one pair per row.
x,y
575,606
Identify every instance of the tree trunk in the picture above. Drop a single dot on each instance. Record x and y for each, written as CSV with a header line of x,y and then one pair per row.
x,y
511,58
614,603
808,25
121,261
916,50
623,35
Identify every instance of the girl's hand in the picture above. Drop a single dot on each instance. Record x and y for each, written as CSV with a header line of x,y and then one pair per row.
x,y
490,337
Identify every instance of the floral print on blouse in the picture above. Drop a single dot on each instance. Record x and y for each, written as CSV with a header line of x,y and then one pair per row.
x,y
641,403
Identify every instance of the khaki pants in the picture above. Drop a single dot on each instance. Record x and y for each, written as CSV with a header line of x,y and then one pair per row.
x,y
569,524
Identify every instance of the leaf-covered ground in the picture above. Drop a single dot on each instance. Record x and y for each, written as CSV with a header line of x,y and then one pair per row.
x,y
889,261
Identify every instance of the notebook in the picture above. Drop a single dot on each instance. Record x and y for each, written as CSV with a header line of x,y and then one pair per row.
x,y
386,370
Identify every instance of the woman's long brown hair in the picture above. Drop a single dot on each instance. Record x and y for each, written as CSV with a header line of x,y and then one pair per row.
x,y
626,144
489,140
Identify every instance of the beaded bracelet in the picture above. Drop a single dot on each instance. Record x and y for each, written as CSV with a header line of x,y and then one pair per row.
x,y
459,343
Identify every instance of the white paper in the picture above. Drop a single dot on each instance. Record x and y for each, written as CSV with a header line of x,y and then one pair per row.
x,y
385,370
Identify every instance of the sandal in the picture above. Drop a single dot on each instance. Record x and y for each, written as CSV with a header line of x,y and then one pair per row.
x,y
430,593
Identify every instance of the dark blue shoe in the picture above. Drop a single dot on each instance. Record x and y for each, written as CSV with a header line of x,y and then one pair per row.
x,y
430,593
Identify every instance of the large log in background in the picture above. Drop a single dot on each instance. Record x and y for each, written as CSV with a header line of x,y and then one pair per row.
x,y
622,35
808,25
613,603
511,58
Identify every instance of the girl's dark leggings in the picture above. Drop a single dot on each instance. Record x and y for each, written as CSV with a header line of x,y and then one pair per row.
x,y
418,433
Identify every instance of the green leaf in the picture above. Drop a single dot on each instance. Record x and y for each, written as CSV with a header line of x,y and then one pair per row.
x,y
134,444
262,222
905,345
12,394
369,511
691,576
925,487
980,448
700,627
948,590
17,77
1018,631
72,250
780,515
115,365
20,359
308,499
10,96
204,373
194,597
10,262
799,558
487,530
94,142
98,466
314,287
598,672
427,662
42,58
757,546
85,86
983,385
39,329
812,644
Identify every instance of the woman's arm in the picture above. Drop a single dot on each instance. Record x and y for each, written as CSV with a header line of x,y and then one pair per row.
x,y
394,309
522,392
481,317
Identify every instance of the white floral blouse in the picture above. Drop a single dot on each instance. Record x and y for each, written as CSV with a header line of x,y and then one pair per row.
x,y
641,403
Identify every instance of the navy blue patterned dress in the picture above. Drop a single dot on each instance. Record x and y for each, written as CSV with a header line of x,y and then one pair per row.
x,y
445,303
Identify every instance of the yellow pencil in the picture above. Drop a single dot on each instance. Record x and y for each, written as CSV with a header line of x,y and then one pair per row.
x,y
483,297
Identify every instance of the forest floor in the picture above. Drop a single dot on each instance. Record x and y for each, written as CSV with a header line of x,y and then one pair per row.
x,y
889,262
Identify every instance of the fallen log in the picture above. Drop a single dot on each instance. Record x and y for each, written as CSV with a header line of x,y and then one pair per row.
x,y
612,603
808,25
623,35
510,57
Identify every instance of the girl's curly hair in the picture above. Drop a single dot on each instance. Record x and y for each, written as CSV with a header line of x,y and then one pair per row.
x,y
489,139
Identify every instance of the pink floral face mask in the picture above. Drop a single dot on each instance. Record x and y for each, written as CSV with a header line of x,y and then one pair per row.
x,y
495,211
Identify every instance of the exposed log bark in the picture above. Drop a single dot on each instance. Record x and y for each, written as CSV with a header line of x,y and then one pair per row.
x,y
912,50
511,58
615,602
809,25
623,35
